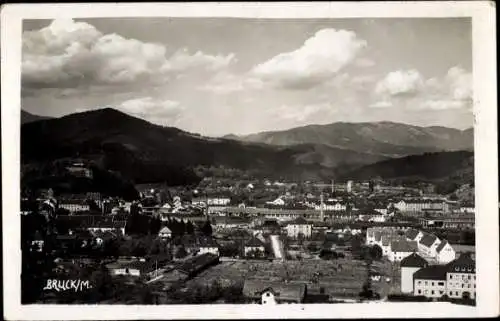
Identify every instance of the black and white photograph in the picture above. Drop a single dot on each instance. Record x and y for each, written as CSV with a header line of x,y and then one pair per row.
x,y
177,160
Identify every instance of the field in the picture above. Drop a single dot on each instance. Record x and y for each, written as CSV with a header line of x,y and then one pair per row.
x,y
339,279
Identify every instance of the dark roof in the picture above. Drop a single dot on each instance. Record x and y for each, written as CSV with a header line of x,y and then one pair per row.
x,y
404,246
254,242
412,234
143,267
464,264
291,292
434,272
428,239
414,260
298,221
207,242
197,263
109,224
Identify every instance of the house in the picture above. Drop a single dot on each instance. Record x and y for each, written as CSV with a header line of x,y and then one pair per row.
x,y
252,246
298,227
134,268
269,293
461,277
102,237
207,245
80,170
218,201
37,242
271,226
445,253
410,265
467,209
165,233
196,264
413,235
75,205
277,202
111,226
422,205
401,249
428,244
330,205
430,281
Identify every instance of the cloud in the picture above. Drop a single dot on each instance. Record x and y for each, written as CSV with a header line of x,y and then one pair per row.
x,y
316,61
400,83
460,83
442,104
71,54
158,111
410,88
382,104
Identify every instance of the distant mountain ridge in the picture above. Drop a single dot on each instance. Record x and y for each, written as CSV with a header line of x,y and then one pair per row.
x,y
145,152
383,138
452,166
28,117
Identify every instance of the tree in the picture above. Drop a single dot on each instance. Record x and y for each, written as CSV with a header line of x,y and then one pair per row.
x,y
376,252
207,228
181,253
300,238
189,228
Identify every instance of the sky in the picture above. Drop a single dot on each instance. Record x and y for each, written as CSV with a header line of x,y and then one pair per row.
x,y
218,76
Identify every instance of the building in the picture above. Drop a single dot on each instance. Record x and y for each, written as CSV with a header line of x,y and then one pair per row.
x,y
110,226
218,201
135,268
165,233
80,170
253,245
269,293
422,205
196,264
410,265
461,277
401,249
75,205
277,202
430,281
298,227
445,253
461,221
208,245
330,205
349,186
37,242
456,280
414,235
428,245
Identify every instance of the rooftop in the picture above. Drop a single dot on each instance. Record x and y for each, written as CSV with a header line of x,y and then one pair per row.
x,y
291,292
428,239
434,272
404,246
412,234
414,260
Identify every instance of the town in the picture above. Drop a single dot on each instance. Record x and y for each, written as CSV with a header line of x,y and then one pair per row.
x,y
250,241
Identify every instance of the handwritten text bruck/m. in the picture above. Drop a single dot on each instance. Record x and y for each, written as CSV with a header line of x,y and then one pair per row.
x,y
67,285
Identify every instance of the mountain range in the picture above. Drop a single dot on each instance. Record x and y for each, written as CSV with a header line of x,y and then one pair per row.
x,y
380,138
145,152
